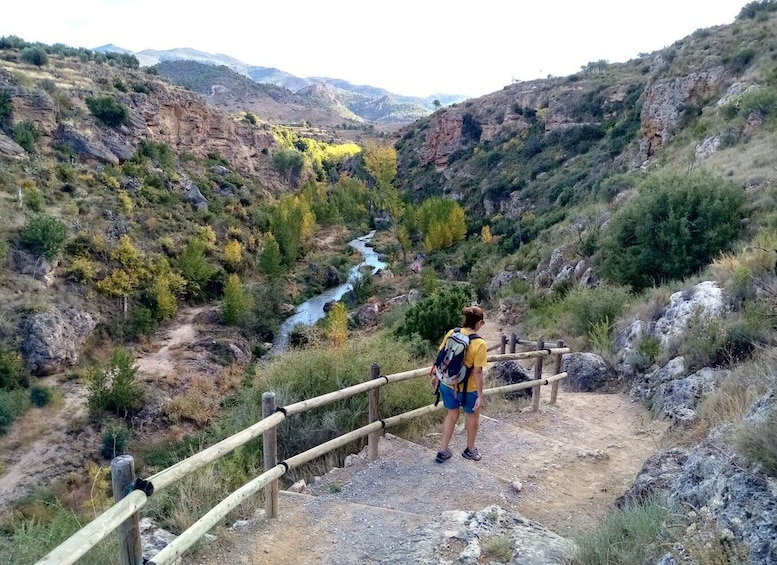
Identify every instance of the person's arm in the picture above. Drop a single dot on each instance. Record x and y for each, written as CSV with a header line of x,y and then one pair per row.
x,y
477,374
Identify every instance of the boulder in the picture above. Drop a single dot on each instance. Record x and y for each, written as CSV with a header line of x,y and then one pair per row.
x,y
587,372
367,315
509,373
705,299
51,341
644,387
38,267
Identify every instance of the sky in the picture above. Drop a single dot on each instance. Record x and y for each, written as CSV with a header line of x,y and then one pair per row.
x,y
410,47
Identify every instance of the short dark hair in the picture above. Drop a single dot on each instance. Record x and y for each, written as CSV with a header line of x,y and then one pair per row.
x,y
472,315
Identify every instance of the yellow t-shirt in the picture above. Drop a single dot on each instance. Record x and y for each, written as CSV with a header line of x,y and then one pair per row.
x,y
476,356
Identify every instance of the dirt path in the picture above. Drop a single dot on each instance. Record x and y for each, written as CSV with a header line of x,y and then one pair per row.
x,y
563,467
164,360
47,444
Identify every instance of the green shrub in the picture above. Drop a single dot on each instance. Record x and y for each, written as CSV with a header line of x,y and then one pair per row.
x,y
26,135
671,229
6,108
12,373
586,308
34,56
40,395
114,440
44,235
34,199
7,415
432,317
13,403
114,387
108,110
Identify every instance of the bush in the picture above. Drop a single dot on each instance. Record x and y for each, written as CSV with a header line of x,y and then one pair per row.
x,y
35,56
6,108
108,110
40,395
671,229
432,317
26,135
44,235
114,441
12,373
114,387
628,536
12,405
586,308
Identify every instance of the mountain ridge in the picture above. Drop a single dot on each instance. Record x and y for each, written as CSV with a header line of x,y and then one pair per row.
x,y
357,98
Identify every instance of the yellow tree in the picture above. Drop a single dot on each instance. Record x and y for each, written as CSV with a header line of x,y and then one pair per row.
x,y
337,321
380,161
233,254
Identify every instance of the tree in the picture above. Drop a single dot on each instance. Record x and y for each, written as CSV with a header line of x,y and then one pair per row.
x,y
432,317
380,161
233,254
195,268
236,302
671,229
436,103
337,323
34,56
270,258
442,223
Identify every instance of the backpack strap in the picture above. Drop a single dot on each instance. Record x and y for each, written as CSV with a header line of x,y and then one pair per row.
x,y
467,373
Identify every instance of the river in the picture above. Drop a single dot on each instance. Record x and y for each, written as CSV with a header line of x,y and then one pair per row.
x,y
312,310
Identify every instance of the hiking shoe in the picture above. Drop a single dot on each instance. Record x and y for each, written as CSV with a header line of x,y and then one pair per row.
x,y
473,455
443,456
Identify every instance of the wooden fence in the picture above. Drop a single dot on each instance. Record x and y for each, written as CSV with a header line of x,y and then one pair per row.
x,y
131,493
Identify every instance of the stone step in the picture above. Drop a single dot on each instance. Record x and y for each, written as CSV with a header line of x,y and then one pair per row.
x,y
405,477
317,530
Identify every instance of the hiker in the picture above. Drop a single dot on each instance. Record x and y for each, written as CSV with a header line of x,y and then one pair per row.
x,y
467,394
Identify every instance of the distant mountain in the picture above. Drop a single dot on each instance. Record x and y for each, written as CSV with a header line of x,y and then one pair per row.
x,y
363,102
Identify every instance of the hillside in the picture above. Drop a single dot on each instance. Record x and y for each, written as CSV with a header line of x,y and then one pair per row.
x,y
627,209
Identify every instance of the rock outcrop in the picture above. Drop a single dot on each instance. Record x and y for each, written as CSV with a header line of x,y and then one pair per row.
x,y
51,341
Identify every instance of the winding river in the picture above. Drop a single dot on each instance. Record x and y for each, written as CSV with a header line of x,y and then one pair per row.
x,y
312,310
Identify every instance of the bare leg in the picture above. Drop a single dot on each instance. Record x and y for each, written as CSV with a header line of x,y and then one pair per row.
x,y
473,423
448,426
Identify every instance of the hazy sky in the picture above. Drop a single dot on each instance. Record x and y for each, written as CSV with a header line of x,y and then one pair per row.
x,y
412,47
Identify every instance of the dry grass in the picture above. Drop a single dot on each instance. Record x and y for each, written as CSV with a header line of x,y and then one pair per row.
x,y
739,390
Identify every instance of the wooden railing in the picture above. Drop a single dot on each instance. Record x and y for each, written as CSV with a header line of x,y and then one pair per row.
x,y
131,494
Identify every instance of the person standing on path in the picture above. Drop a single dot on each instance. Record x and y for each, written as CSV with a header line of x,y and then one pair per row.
x,y
471,399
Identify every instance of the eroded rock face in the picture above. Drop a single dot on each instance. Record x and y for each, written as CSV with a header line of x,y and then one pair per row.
x,y
705,300
51,341
666,99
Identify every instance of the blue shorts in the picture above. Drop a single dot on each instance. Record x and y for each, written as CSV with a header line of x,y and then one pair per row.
x,y
452,399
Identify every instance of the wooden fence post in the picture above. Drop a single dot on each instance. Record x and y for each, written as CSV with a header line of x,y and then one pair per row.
x,y
374,438
270,451
513,341
556,370
535,393
122,476
503,346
